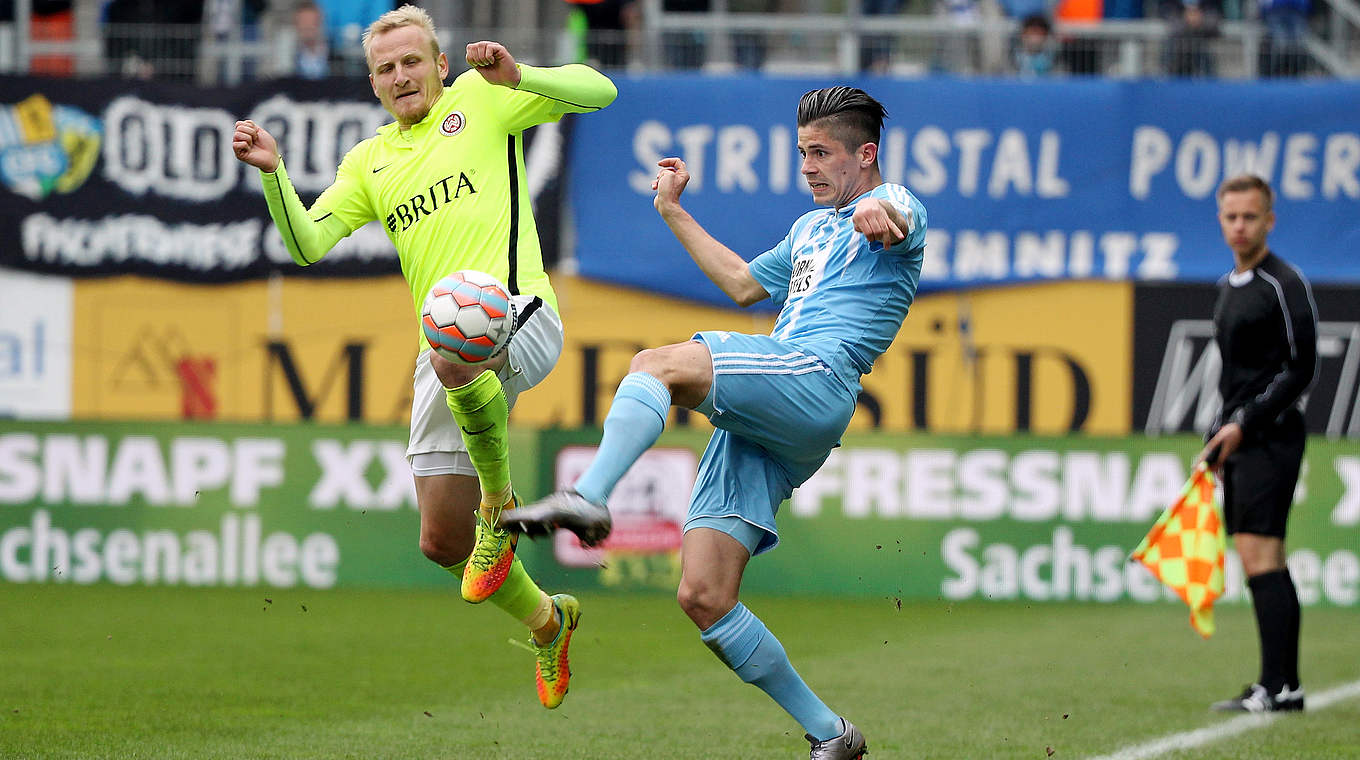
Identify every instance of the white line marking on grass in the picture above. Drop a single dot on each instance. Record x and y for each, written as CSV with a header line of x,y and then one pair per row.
x,y
1220,731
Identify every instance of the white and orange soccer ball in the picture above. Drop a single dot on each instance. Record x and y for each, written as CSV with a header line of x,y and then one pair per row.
x,y
467,317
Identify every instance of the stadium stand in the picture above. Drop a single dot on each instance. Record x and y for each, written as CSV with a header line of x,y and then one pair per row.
x,y
229,41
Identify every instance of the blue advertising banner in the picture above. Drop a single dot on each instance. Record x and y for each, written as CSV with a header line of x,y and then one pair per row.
x,y
1022,181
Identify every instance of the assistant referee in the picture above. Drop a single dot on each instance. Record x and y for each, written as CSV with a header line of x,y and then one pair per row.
x,y
1265,325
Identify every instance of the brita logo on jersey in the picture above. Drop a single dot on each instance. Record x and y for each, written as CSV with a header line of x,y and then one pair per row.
x,y
453,123
440,193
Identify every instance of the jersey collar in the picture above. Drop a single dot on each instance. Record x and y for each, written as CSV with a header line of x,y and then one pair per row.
x,y
391,131
849,208
1238,279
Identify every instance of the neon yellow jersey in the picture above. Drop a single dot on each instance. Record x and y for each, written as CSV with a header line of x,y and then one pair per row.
x,y
451,191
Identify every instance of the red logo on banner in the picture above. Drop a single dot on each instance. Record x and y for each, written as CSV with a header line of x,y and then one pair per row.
x,y
196,376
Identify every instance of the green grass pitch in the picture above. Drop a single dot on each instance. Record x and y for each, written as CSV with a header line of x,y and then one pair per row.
x,y
110,672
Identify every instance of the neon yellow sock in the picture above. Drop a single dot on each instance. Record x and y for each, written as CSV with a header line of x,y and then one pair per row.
x,y
482,413
519,596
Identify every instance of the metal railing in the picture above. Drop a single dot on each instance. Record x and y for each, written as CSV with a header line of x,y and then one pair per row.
x,y
843,43
837,42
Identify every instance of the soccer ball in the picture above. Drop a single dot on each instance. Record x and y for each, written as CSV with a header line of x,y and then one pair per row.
x,y
467,317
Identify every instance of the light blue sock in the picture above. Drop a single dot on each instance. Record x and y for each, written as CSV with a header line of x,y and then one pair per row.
x,y
746,646
634,422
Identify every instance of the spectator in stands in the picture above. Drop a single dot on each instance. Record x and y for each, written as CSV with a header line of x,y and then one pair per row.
x,y
1188,49
345,21
40,8
1023,9
875,52
1286,22
51,21
148,38
313,57
688,49
684,49
605,24
1036,51
958,52
1080,55
1000,48
749,47
232,21
1123,9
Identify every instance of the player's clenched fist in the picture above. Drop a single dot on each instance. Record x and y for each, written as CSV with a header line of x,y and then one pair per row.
x,y
874,219
255,146
670,182
493,62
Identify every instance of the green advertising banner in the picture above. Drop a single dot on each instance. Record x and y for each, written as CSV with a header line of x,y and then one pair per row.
x,y
962,517
211,505
894,516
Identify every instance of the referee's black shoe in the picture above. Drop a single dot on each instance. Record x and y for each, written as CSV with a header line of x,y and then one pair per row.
x,y
1258,699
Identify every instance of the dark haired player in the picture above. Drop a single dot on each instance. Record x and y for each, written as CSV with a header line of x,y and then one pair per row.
x,y
845,276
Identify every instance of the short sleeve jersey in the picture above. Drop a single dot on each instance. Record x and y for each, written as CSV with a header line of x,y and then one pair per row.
x,y
451,191
843,298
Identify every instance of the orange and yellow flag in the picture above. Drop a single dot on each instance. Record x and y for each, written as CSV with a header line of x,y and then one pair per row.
x,y
1185,548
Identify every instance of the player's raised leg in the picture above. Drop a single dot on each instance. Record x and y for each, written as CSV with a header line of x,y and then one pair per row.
x,y
680,374
713,560
482,413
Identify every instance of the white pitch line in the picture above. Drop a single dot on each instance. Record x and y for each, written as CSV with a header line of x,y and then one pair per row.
x,y
1220,731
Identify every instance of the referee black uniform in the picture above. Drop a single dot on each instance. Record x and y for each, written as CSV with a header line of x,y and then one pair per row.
x,y
1265,325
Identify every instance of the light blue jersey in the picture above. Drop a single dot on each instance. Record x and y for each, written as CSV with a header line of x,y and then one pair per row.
x,y
843,298
781,401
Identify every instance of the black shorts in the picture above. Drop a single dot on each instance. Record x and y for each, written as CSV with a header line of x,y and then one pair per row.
x,y
1260,477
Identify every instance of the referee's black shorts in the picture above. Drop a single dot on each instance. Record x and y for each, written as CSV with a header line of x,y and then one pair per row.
x,y
1260,477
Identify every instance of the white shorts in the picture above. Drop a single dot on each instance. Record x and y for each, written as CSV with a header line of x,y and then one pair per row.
x,y
436,446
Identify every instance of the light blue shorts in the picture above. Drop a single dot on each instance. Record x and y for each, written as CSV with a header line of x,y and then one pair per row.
x,y
778,413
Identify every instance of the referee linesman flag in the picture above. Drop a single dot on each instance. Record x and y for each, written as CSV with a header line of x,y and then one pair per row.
x,y
1185,548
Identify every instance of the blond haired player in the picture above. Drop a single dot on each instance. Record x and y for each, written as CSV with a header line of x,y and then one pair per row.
x,y
447,181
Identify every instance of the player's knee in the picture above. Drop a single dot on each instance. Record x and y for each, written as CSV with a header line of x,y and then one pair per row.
x,y
455,375
650,360
443,550
704,604
1254,566
672,365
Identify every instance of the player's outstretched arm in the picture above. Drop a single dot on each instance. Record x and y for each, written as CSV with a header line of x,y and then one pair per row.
x,y
575,87
307,241
719,263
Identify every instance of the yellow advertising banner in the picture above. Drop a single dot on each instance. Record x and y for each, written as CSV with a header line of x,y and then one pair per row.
x,y
284,349
1048,358
1051,358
